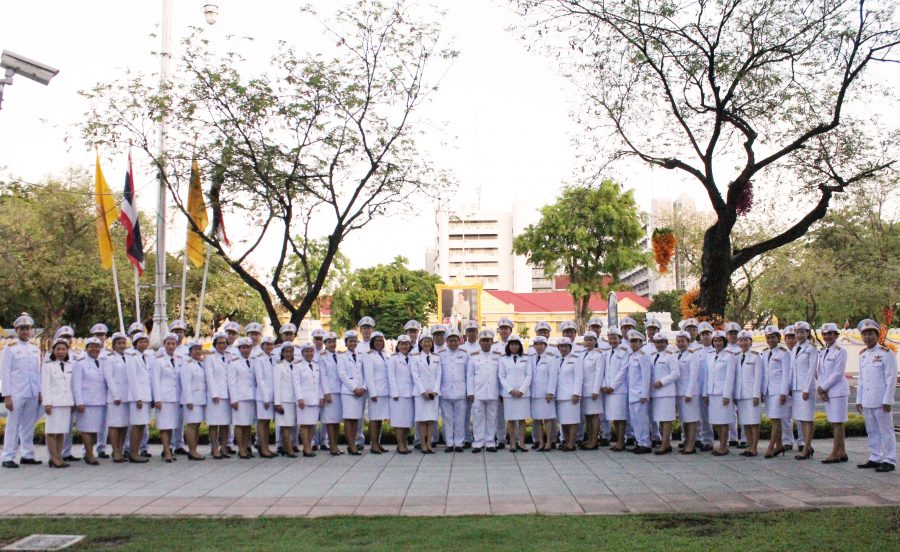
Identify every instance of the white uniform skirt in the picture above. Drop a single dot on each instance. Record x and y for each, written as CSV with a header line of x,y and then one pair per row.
x,y
720,414
332,413
308,415
568,412
402,412
263,413
426,411
245,415
194,416
590,406
774,408
616,406
352,406
663,409
379,410
168,417
804,411
747,413
689,412
218,414
139,416
59,420
542,409
289,418
91,420
516,408
836,410
117,416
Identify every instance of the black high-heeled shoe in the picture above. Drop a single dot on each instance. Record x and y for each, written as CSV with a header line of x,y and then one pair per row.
x,y
805,456
309,454
355,453
775,453
195,457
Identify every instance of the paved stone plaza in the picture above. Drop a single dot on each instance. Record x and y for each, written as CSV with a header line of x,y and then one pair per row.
x,y
598,482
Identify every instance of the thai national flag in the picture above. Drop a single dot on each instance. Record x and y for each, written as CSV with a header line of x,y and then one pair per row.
x,y
128,217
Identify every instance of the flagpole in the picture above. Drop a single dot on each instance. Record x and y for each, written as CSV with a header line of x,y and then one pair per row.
x,y
202,293
118,298
137,296
184,274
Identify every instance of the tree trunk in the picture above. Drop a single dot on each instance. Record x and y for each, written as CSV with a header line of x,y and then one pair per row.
x,y
716,274
582,310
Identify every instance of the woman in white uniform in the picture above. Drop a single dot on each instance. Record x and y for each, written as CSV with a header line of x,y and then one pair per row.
x,y
747,390
310,390
56,391
331,413
687,390
140,393
568,393
263,368
804,359
116,375
615,386
353,389
719,390
285,399
515,376
403,389
167,385
374,366
242,394
663,390
426,374
591,398
544,372
833,390
193,397
89,392
218,406
776,389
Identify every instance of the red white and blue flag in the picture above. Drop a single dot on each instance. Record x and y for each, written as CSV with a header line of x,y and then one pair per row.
x,y
128,217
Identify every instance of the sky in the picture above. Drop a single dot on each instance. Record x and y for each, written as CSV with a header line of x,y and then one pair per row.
x,y
502,111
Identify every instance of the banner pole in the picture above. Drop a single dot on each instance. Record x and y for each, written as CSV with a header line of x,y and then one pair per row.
x,y
202,293
115,276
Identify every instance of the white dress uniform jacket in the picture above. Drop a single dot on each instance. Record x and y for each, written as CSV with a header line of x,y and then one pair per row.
x,y
663,369
616,370
350,371
720,374
263,366
20,370
400,379
374,364
193,383
426,373
877,377
454,365
640,371
776,371
544,373
241,380
308,383
688,384
481,379
832,366
88,383
748,375
594,372
570,379
514,374
115,371
56,383
140,376
804,359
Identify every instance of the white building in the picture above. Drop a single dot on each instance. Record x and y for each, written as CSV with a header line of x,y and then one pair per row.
x,y
475,246
647,281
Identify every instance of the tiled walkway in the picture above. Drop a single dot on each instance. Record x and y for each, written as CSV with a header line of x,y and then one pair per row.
x,y
598,482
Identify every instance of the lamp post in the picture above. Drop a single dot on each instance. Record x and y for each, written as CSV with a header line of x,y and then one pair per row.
x,y
160,317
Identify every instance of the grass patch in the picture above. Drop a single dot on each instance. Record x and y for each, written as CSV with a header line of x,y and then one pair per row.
x,y
828,529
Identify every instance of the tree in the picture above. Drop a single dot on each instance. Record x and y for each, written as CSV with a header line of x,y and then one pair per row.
x,y
316,147
298,277
668,301
591,235
736,95
392,294
227,296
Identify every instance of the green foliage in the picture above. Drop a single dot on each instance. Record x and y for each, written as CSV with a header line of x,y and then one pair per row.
x,y
301,276
591,234
668,301
392,294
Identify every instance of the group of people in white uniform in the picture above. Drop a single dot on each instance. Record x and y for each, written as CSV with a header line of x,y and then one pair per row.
x,y
624,391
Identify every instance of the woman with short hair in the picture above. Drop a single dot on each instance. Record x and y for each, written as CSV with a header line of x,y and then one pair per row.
x,y
285,399
242,394
167,384
218,405
514,374
58,399
263,371
89,391
193,397
402,393
310,394
115,373
426,374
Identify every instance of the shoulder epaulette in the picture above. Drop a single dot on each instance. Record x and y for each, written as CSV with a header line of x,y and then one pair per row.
x,y
836,347
131,352
883,348
498,353
782,347
753,352
414,354
474,353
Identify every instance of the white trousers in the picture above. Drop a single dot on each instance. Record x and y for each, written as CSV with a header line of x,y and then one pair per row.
x,y
640,422
704,430
19,430
453,415
469,436
484,422
787,423
177,437
501,423
67,438
882,442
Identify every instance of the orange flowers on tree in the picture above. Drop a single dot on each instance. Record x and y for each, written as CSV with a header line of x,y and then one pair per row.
x,y
663,248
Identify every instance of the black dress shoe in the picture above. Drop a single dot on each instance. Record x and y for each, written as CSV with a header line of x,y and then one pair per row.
x,y
491,449
706,448
354,453
682,444
10,464
178,451
629,442
742,445
71,458
885,467
869,465
732,443
500,446
104,455
230,450
30,462
145,454
458,449
604,442
309,454
476,450
417,447
467,445
655,443
448,449
642,450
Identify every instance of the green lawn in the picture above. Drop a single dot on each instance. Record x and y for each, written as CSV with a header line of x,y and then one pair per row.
x,y
829,529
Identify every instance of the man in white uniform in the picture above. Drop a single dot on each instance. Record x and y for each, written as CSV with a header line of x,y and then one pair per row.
x,y
483,391
470,345
875,398
454,366
20,378
504,330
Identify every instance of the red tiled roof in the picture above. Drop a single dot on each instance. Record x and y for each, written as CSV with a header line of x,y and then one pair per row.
x,y
558,301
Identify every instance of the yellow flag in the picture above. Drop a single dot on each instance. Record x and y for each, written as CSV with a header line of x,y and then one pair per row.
x,y
196,208
107,213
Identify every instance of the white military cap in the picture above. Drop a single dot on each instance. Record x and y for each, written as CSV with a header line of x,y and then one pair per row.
x,y
59,340
288,345
194,343
351,334
705,327
218,335
177,325
660,336
305,346
829,327
653,323
424,335
412,325
136,327
374,335
541,325
254,327
744,334
568,325
318,332
683,334
289,327
539,339
802,325
868,324
732,327
452,333
504,321
438,328
471,325
486,334
138,336
243,342
92,341
688,322
614,330
595,321
366,321
232,327
171,336
772,330
267,339
64,330
99,328
118,335
330,335
718,333
627,321
789,330
590,334
634,334
563,342
514,337
403,339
